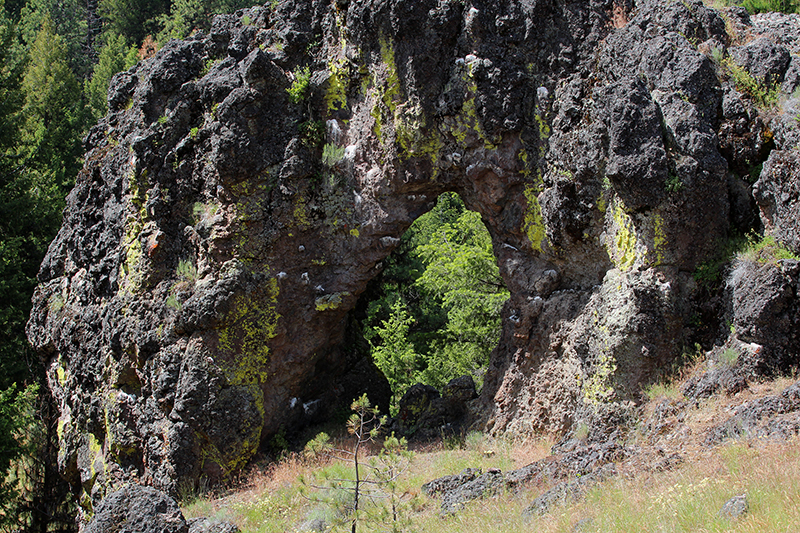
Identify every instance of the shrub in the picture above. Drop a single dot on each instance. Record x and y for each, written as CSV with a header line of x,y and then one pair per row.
x,y
186,270
765,6
332,154
764,249
300,86
762,95
312,132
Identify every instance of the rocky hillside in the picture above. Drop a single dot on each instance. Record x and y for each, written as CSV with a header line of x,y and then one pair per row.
x,y
247,184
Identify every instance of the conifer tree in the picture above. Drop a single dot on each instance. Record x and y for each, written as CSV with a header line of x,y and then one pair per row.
x,y
53,115
114,57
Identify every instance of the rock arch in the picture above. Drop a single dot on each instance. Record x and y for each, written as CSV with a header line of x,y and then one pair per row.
x,y
197,296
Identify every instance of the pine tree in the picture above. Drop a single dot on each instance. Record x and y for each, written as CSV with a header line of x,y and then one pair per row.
x,y
113,58
53,115
133,19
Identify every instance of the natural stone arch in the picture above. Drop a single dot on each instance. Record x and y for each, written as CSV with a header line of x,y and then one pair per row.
x,y
541,116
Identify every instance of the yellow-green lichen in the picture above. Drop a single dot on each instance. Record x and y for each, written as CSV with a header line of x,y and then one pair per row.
x,y
61,375
413,137
354,232
330,301
243,335
599,387
526,165
659,239
300,213
392,91
622,251
336,94
544,134
95,455
407,118
533,223
601,202
131,276
467,120
232,459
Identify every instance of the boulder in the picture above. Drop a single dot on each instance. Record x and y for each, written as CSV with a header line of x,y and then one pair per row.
x,y
137,509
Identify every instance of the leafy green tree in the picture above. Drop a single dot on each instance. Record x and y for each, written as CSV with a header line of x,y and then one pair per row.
x,y
115,57
462,271
436,312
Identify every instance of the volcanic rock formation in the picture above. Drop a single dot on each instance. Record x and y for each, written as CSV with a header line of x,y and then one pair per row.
x,y
247,184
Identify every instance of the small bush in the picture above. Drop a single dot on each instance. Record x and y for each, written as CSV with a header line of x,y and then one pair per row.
x,y
332,154
173,302
201,211
729,356
300,86
766,6
674,183
186,270
762,95
312,132
764,250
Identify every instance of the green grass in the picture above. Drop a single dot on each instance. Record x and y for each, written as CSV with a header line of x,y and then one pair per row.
x,y
764,249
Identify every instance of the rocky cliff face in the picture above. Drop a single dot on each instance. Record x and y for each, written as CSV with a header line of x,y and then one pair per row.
x,y
226,221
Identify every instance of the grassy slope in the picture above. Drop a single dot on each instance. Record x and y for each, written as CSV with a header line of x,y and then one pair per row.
x,y
686,497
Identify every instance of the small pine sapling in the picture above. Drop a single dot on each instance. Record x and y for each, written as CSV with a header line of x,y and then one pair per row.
x,y
371,484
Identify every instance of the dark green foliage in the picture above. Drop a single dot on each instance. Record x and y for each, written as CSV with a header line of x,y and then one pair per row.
x,y
15,415
437,312
133,19
312,132
67,18
186,16
41,122
115,57
53,116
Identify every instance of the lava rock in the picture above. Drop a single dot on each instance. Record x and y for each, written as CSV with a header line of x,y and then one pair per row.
x,y
137,509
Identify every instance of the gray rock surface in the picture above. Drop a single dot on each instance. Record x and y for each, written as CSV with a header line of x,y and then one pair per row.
x,y
425,414
735,507
208,525
568,491
772,416
137,509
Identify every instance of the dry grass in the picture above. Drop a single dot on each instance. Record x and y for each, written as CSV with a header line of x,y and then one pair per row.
x,y
689,498
686,498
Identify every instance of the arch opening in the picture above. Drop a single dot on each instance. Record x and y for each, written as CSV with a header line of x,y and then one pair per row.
x,y
433,313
